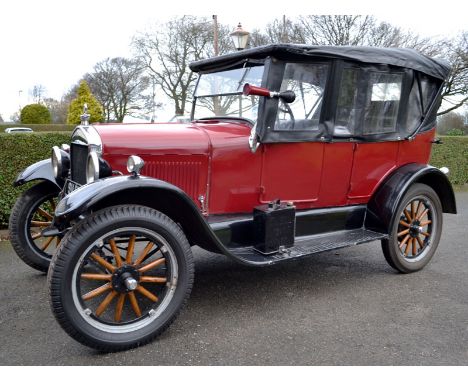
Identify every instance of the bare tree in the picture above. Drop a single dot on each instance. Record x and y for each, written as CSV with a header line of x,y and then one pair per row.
x,y
336,29
285,30
119,84
167,51
58,109
456,87
38,92
365,30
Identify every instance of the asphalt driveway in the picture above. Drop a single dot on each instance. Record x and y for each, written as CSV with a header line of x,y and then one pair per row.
x,y
337,308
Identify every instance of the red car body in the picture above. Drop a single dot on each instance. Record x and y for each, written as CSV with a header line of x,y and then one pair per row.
x,y
212,159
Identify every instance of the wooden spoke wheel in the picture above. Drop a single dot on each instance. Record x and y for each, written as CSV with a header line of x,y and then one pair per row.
x,y
120,277
125,278
31,215
415,228
415,231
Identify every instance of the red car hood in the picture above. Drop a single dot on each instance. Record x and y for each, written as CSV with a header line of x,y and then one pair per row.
x,y
152,139
175,138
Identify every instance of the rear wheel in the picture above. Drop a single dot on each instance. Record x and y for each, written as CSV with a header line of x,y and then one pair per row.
x,y
120,277
31,214
415,231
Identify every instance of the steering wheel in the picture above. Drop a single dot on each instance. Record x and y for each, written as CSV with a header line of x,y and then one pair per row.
x,y
285,108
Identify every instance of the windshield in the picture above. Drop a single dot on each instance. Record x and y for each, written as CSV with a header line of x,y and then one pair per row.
x,y
220,94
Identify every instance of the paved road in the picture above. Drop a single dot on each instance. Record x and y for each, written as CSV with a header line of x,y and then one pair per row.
x,y
340,308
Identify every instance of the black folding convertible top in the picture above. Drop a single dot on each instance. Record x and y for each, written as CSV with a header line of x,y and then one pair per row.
x,y
402,57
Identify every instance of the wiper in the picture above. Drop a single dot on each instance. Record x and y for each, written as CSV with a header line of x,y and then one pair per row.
x,y
224,118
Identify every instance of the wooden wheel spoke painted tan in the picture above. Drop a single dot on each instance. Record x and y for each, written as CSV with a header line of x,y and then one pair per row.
x,y
406,231
116,252
97,292
36,235
44,214
421,243
36,223
131,247
424,213
134,303
408,217
105,303
152,265
427,222
47,243
96,276
150,279
415,248
103,262
402,222
144,253
119,307
412,210
418,208
408,246
404,241
427,234
145,292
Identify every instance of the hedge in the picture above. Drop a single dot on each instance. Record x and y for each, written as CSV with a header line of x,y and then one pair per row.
x,y
452,153
17,151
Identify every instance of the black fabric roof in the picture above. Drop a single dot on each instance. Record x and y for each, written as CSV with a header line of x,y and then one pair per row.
x,y
402,57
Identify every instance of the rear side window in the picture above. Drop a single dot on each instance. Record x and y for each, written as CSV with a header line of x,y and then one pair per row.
x,y
368,102
382,103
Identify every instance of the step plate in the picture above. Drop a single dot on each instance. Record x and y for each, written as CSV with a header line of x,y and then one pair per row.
x,y
308,246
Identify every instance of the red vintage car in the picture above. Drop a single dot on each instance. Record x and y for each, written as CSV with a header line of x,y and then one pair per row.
x,y
292,150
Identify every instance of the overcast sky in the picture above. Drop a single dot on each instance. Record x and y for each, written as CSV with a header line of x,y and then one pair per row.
x,y
54,42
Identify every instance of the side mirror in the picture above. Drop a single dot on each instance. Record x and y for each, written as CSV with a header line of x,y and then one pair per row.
x,y
287,96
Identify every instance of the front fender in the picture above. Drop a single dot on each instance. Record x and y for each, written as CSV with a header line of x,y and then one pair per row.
x,y
382,207
39,170
150,192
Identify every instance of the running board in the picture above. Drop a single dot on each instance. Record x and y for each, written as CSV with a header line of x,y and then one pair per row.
x,y
307,246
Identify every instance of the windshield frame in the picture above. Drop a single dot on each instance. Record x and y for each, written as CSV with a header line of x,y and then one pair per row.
x,y
246,64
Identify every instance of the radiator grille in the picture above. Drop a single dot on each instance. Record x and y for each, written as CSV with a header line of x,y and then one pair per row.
x,y
184,174
79,156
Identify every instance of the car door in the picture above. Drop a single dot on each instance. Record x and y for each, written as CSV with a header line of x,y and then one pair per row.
x,y
295,150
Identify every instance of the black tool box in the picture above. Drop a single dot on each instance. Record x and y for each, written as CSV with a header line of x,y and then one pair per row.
x,y
274,226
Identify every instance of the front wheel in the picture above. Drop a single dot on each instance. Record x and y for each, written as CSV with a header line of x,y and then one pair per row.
x,y
120,277
415,230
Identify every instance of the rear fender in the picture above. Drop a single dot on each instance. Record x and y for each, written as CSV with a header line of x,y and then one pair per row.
x,y
40,170
383,204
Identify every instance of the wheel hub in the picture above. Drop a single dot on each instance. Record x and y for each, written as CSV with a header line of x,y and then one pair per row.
x,y
415,229
125,279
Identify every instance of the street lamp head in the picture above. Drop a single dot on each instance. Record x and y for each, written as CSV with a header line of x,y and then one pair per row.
x,y
239,37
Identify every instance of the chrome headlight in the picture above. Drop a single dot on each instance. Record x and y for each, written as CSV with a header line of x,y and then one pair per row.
x,y
96,167
135,164
60,162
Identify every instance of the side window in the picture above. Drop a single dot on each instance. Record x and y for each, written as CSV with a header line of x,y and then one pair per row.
x,y
383,101
347,109
368,102
308,83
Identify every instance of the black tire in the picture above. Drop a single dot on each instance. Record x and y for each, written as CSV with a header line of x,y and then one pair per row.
x,y
415,231
98,238
37,253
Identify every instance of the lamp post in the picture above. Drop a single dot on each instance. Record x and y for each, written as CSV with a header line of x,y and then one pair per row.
x,y
239,37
